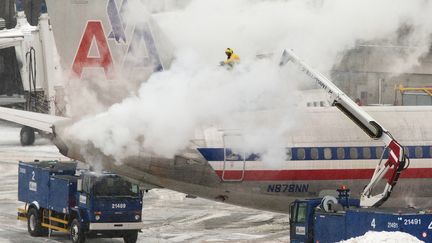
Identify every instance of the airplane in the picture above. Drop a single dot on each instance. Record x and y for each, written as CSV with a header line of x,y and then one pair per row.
x,y
326,151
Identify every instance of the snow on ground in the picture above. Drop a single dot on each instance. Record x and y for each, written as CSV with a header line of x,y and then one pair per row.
x,y
168,216
384,237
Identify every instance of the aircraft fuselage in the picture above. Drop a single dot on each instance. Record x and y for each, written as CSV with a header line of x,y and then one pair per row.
x,y
315,165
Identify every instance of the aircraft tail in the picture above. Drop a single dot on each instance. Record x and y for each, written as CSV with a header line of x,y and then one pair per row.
x,y
107,47
105,34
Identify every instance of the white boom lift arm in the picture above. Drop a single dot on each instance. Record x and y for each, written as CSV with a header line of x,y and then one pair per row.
x,y
396,160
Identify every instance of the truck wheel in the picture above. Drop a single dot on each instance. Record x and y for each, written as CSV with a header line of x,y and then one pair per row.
x,y
131,237
27,136
76,233
34,225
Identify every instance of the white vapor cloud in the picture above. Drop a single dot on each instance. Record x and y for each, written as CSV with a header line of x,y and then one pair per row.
x,y
167,109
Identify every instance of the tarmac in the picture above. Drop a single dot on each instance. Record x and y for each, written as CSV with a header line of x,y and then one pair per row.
x,y
168,216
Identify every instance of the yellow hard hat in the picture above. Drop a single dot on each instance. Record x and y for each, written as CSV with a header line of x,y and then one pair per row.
x,y
229,50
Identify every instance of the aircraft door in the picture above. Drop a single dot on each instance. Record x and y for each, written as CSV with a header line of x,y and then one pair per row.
x,y
234,163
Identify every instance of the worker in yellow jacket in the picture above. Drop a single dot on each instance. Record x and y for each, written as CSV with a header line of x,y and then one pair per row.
x,y
232,58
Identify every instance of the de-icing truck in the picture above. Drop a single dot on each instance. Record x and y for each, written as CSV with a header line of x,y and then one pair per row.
x,y
84,204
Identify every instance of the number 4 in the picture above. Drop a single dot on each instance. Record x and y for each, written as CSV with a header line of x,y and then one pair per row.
x,y
430,225
373,223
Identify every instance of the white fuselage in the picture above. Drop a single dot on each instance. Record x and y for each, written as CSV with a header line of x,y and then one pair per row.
x,y
326,151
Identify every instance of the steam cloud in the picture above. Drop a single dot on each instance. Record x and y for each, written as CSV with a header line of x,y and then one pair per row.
x,y
168,109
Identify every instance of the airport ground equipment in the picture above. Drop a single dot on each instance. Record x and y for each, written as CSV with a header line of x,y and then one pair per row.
x,y
397,159
85,206
413,96
331,219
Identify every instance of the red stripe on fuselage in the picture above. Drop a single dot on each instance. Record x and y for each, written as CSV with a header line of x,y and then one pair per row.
x,y
302,175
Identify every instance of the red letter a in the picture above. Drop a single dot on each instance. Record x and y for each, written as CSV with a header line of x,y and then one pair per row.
x,y
82,59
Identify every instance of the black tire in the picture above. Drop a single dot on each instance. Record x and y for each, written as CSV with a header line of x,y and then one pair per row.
x,y
27,136
76,233
34,223
131,237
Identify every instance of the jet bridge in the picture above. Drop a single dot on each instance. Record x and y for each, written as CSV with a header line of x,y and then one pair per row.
x,y
33,46
34,55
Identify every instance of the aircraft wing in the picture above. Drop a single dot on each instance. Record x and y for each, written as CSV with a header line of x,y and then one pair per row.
x,y
35,120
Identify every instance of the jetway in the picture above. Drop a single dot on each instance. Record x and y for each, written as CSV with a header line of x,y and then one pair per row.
x,y
36,65
35,52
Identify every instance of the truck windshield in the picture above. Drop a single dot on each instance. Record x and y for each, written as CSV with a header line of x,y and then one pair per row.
x,y
114,186
301,213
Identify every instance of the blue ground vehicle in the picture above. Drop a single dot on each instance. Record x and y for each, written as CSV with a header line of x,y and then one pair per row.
x,y
85,205
330,219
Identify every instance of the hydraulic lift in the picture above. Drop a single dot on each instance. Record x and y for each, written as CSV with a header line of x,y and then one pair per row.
x,y
316,220
397,159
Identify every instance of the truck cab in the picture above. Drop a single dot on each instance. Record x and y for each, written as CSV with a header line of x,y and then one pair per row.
x,y
301,222
303,215
83,203
104,200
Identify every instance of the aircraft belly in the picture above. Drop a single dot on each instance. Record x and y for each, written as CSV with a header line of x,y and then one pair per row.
x,y
200,179
276,195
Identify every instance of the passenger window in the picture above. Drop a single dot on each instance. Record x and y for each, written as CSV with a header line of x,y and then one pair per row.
x,y
406,150
366,153
353,153
301,154
418,152
340,153
327,153
314,153
378,152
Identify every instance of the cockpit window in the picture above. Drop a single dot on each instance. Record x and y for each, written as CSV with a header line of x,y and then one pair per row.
x,y
114,186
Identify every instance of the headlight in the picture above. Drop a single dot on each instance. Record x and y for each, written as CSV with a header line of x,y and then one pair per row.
x,y
137,217
97,217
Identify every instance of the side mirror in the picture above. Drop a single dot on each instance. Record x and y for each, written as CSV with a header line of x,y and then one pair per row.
x,y
292,212
79,185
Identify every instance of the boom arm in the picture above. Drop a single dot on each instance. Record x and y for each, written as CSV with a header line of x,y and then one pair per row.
x,y
396,159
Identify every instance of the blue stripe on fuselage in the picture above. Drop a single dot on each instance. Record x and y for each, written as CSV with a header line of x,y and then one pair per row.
x,y
319,153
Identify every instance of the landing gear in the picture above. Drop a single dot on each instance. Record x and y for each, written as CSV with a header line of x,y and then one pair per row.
x,y
27,136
